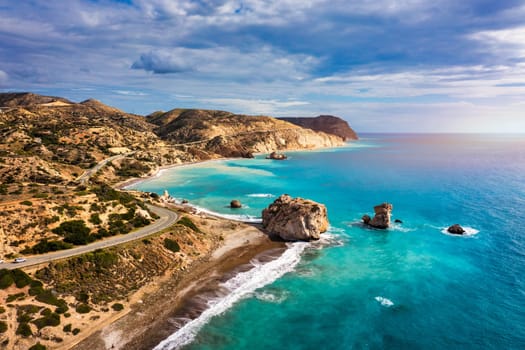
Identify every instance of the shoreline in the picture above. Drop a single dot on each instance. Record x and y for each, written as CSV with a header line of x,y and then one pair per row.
x,y
179,294
158,307
123,185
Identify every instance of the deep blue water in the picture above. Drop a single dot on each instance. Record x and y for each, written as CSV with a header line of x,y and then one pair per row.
x,y
409,287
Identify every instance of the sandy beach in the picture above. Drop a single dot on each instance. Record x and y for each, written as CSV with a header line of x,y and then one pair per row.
x,y
155,309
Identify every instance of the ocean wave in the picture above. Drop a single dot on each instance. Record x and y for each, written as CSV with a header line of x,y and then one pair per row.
x,y
275,297
239,287
384,301
235,217
469,231
260,195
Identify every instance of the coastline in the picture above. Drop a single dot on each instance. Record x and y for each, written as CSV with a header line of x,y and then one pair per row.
x,y
124,185
179,294
157,307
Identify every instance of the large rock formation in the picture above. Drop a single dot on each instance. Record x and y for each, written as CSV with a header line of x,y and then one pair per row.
x,y
295,219
456,229
381,219
328,124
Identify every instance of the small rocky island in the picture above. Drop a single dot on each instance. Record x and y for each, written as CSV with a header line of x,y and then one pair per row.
x,y
277,156
381,219
295,219
456,229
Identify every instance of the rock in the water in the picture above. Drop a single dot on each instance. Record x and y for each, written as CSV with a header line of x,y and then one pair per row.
x,y
381,219
456,229
235,204
397,221
295,219
185,201
277,156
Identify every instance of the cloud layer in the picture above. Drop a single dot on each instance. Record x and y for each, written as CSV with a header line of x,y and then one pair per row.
x,y
384,65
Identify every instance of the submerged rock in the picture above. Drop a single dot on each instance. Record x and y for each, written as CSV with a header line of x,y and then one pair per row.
x,y
397,221
295,219
235,204
456,229
381,219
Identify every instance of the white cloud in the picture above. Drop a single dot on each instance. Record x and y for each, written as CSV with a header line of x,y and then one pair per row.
x,y
252,106
509,43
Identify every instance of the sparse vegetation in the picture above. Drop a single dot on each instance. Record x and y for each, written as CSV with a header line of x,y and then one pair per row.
x,y
186,221
27,203
172,245
3,327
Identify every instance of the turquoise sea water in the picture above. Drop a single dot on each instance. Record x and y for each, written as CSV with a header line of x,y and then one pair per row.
x,y
409,287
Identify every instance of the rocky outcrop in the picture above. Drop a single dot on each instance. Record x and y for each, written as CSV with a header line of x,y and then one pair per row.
x,y
295,219
381,219
235,204
277,156
328,124
456,229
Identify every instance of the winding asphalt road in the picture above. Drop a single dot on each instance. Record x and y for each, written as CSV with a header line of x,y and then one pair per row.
x,y
165,220
84,178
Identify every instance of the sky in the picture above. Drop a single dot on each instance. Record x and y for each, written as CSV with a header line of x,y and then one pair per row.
x,y
383,65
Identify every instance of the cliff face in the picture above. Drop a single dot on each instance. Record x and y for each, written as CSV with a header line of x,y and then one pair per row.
x,y
229,134
328,124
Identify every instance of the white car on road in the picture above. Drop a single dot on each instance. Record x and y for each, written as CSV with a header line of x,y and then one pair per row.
x,y
19,260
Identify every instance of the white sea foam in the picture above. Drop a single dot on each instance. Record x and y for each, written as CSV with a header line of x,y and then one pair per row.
x,y
271,297
384,301
235,217
469,231
240,286
260,195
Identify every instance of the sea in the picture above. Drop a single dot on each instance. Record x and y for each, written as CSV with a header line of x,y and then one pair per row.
x,y
412,286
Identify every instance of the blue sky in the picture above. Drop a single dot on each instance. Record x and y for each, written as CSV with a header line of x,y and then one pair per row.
x,y
383,65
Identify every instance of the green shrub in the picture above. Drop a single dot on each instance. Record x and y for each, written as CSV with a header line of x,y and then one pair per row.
x,y
40,195
24,330
67,328
21,278
45,246
6,279
171,245
82,297
38,346
75,331
36,287
48,320
3,327
74,232
139,221
13,297
83,308
28,203
185,221
95,219
117,307
62,309
2,309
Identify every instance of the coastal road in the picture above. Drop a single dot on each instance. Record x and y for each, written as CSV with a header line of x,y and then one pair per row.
x,y
165,220
84,178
